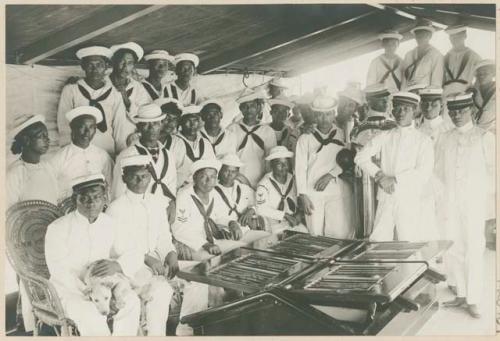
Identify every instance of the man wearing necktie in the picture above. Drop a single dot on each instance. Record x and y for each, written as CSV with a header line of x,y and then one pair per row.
x,y
96,90
326,199
406,163
253,139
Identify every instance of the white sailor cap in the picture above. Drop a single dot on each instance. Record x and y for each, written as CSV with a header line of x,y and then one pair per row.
x,y
282,100
279,152
84,110
376,90
205,163
459,101
149,113
323,103
405,97
231,159
88,180
191,110
159,54
168,100
353,92
415,87
390,34
135,160
423,25
483,63
23,122
248,95
430,93
211,101
278,82
454,29
134,47
189,57
94,51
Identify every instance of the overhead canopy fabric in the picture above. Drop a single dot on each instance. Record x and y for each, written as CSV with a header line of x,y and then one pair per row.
x,y
287,38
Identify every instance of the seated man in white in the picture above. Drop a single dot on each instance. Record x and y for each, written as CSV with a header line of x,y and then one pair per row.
x,y
277,194
76,240
143,221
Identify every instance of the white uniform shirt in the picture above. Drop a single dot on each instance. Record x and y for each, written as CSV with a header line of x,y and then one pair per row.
x,y
239,196
268,199
251,153
311,162
186,153
71,161
169,179
386,71
119,126
434,128
459,70
137,95
151,91
142,220
29,181
189,222
429,70
406,154
190,96
72,243
485,109
224,143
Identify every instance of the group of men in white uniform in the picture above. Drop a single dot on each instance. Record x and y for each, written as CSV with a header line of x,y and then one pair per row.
x,y
174,184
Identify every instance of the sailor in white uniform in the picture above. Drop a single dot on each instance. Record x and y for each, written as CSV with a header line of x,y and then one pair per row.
x,y
327,200
173,109
81,156
423,64
143,221
223,141
407,160
484,111
158,63
253,139
182,89
280,113
96,90
465,164
79,238
387,69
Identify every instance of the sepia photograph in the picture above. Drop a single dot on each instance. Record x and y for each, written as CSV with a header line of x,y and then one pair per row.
x,y
258,169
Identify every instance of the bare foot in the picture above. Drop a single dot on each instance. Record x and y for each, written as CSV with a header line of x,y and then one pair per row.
x,y
457,302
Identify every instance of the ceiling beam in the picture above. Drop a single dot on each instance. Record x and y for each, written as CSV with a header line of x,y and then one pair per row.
x,y
103,21
270,43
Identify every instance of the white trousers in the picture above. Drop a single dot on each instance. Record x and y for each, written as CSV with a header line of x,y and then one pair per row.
x,y
428,223
195,299
465,257
331,217
91,323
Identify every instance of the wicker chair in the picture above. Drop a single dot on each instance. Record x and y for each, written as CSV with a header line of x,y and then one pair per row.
x,y
26,226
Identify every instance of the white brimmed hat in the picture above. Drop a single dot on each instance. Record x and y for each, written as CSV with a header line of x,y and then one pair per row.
x,y
159,54
415,86
390,34
134,47
454,29
187,56
423,25
376,90
205,163
94,51
191,110
459,101
88,180
323,103
353,92
406,97
284,101
84,110
278,82
23,122
149,113
231,160
248,95
483,63
135,160
279,152
431,93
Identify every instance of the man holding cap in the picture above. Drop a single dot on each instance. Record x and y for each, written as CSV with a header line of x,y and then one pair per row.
x,y
97,91
253,139
459,62
484,111
81,156
424,63
387,69
181,89
143,221
157,62
80,238
276,194
222,141
407,159
465,164
149,120
189,145
326,199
